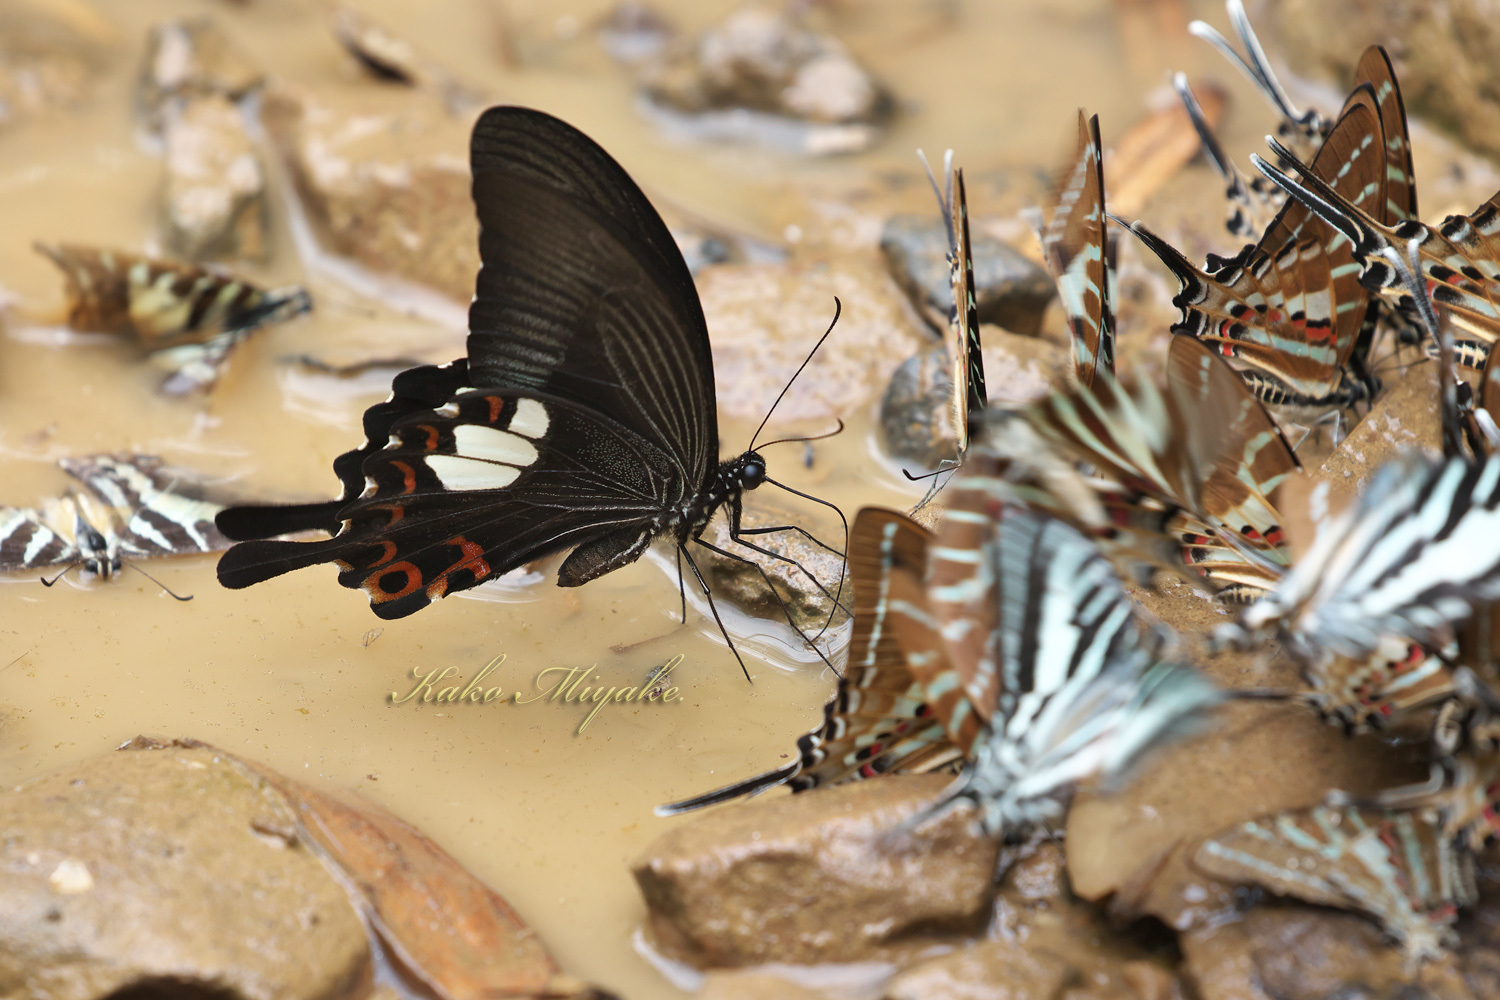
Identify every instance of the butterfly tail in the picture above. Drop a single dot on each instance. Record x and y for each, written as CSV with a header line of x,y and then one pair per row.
x,y
251,523
249,563
750,786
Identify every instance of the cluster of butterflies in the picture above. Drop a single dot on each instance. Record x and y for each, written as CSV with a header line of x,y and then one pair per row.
x,y
1005,646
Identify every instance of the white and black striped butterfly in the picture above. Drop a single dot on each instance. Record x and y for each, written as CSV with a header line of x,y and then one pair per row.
x,y
1395,866
1073,687
583,417
133,507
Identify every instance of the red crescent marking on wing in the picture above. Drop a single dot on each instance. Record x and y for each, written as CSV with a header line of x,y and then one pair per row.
x,y
472,559
390,553
432,436
496,405
408,477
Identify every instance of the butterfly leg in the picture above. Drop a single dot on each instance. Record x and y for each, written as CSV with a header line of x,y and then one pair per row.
x,y
681,585
786,611
713,608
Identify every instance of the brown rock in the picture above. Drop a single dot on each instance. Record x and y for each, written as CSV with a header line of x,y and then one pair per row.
x,y
1444,54
1262,758
386,183
136,869
215,199
1010,289
778,879
1302,953
191,57
764,318
1405,416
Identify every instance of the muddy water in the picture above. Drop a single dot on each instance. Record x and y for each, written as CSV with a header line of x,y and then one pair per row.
x,y
297,672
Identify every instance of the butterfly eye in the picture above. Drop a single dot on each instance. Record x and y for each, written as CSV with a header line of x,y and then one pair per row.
x,y
752,474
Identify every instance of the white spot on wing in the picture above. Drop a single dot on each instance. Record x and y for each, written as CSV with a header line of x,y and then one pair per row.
x,y
458,473
490,445
530,419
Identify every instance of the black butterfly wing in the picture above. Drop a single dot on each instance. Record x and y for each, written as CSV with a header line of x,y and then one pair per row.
x,y
585,329
477,487
583,294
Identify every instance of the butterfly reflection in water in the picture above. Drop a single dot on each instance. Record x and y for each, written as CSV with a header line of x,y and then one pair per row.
x,y
583,417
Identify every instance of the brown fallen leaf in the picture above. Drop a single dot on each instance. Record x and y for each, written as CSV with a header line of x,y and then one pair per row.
x,y
446,932
1154,148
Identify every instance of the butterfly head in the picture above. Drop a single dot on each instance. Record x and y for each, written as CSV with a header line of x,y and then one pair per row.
x,y
749,470
98,554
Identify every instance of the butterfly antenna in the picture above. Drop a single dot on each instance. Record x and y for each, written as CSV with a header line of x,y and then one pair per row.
x,y
66,570
838,308
945,193
163,586
819,437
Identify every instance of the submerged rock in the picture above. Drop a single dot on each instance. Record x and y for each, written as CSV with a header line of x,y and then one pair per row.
x,y
215,197
51,55
765,318
191,57
761,74
1010,288
633,32
743,583
140,871
386,183
1007,969
825,876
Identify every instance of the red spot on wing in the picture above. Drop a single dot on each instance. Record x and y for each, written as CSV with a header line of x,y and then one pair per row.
x,y
432,436
393,582
496,405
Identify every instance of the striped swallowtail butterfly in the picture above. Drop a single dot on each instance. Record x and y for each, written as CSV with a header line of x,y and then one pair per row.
x,y
1395,866
1193,467
1289,308
131,507
1076,245
582,418
883,717
1070,684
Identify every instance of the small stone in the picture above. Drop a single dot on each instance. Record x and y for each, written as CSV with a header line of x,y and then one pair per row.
x,y
989,970
743,583
384,182
915,420
1010,288
215,203
761,74
777,879
391,58
71,877
188,57
633,32
51,55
